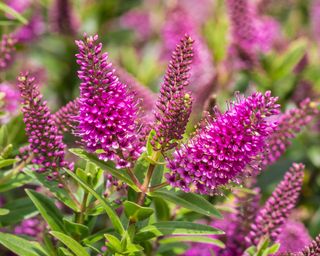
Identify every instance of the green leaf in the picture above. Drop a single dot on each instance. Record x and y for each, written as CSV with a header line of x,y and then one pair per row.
x,y
113,243
52,185
196,239
149,145
273,249
7,162
20,209
190,201
161,209
21,246
14,182
48,210
136,212
175,228
111,213
4,211
285,64
3,136
72,244
76,229
7,9
119,174
65,252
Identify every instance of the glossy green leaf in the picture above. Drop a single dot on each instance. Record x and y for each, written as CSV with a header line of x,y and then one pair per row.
x,y
76,229
136,212
3,136
190,201
119,174
195,239
48,210
175,228
7,162
113,243
111,213
21,246
7,9
72,244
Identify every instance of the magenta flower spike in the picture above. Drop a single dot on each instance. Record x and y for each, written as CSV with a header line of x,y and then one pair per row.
x,y
222,150
107,111
174,103
7,50
278,207
32,227
43,136
289,124
65,117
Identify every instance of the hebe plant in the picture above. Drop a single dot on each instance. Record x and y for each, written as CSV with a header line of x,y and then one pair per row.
x,y
139,182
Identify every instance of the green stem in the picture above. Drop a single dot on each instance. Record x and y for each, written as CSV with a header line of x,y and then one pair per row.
x,y
156,187
83,208
16,170
67,188
133,177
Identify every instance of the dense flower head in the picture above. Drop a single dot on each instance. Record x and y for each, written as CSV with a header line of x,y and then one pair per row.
x,y
276,210
107,111
289,124
313,249
293,237
11,98
65,117
43,136
63,19
7,50
223,149
174,103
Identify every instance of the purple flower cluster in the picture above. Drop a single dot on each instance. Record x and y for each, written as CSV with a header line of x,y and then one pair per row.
x,y
313,249
7,49
225,147
43,136
174,103
33,30
289,124
293,237
251,33
62,17
107,111
278,207
11,99
65,117
32,227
